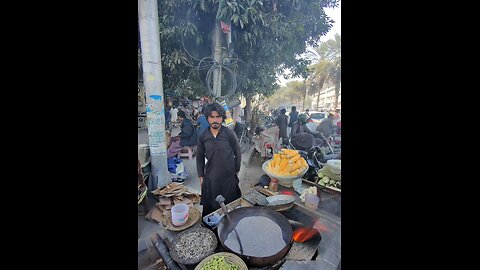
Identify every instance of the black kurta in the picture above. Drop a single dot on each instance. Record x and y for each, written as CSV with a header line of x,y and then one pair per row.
x,y
219,174
282,122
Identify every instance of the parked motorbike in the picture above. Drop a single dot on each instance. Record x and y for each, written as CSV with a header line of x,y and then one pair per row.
x,y
317,156
243,135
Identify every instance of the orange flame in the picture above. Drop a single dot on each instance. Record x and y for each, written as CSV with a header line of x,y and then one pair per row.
x,y
303,234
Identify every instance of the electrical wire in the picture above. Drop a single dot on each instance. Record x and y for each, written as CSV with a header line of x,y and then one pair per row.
x,y
210,64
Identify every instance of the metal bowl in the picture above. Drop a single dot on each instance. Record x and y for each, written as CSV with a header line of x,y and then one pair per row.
x,y
280,202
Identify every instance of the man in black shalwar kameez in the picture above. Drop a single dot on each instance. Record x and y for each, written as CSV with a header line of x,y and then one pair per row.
x,y
218,176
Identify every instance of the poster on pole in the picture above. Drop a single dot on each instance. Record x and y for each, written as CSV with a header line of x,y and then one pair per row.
x,y
156,129
229,119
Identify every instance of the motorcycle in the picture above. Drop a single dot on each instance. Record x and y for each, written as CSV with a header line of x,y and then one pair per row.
x,y
317,155
243,135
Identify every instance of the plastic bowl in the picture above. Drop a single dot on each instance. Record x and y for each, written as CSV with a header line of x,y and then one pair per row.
x,y
285,181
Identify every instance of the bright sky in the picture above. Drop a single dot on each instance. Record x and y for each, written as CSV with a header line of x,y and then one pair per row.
x,y
334,14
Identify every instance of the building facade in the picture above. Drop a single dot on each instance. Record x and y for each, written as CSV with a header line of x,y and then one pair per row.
x,y
327,99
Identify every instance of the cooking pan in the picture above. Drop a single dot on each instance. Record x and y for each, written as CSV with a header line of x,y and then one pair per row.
x,y
225,227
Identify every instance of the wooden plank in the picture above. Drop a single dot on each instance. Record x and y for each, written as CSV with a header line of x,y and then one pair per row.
x,y
325,189
312,183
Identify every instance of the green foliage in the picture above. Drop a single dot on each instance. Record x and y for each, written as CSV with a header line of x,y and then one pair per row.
x,y
267,36
286,96
328,69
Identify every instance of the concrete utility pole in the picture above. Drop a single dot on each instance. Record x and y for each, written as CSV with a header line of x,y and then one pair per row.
x,y
217,55
152,78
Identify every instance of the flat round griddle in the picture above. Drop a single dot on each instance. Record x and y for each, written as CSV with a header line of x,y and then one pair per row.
x,y
225,227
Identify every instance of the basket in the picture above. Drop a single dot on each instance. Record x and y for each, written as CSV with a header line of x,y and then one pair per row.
x,y
229,257
193,218
286,181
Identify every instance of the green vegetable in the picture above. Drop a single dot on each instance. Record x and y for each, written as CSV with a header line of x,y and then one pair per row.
x,y
332,182
320,174
219,263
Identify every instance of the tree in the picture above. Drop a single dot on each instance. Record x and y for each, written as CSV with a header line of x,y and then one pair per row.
x,y
321,73
289,95
328,68
267,37
331,50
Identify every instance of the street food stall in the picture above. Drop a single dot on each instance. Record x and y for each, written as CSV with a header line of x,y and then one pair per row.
x,y
194,242
275,225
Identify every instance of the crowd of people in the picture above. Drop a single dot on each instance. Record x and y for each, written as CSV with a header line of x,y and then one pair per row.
x,y
294,128
218,155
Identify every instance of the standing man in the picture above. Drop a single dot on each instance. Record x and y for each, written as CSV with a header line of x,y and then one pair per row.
x,y
307,112
282,121
202,123
293,118
218,175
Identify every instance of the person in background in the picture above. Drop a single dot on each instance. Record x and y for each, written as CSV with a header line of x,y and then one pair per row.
x,y
187,136
293,116
336,116
173,115
194,113
307,112
282,122
302,137
202,123
275,113
325,127
219,146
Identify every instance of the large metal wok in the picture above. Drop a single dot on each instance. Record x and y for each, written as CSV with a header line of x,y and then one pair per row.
x,y
225,227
